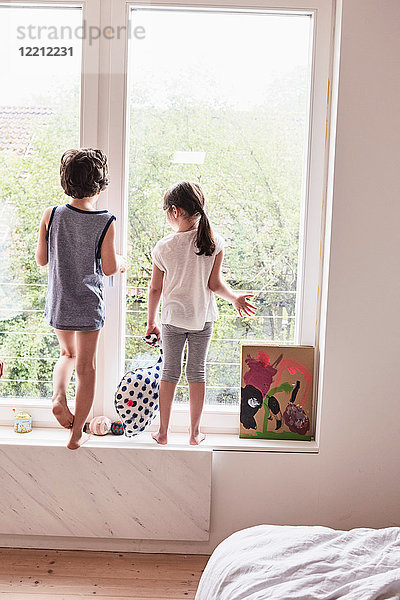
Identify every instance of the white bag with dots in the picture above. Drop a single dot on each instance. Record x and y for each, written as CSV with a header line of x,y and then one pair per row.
x,y
136,398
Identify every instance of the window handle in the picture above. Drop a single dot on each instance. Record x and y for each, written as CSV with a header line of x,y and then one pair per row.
x,y
111,281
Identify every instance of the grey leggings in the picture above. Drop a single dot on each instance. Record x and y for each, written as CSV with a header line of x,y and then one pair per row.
x,y
173,342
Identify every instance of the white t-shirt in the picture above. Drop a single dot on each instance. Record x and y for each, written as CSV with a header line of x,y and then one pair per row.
x,y
187,301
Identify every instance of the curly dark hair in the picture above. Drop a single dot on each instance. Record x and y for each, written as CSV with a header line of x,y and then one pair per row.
x,y
83,172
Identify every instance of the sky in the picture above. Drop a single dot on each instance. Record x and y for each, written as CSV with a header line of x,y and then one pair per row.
x,y
228,56
27,77
233,57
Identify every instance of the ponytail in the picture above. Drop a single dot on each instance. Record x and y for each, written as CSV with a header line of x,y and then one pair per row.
x,y
189,196
205,238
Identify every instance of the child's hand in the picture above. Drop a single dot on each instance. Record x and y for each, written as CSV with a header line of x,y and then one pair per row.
x,y
242,306
123,263
153,328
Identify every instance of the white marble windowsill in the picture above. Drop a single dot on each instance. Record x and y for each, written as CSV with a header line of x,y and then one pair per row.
x,y
49,436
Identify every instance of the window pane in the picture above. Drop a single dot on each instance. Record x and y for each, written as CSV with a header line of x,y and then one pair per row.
x,y
39,120
221,98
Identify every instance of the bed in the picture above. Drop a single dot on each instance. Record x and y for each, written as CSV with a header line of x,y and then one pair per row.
x,y
304,563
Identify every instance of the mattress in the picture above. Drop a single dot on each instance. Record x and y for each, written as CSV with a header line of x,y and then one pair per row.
x,y
304,563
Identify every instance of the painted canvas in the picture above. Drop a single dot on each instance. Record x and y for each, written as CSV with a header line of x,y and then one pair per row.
x,y
277,392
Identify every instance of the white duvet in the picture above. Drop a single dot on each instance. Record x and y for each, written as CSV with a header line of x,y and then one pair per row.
x,y
304,563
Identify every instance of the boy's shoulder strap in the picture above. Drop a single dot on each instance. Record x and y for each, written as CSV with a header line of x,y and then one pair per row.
x,y
50,222
109,219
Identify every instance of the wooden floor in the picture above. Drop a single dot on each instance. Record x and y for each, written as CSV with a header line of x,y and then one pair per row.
x,y
69,575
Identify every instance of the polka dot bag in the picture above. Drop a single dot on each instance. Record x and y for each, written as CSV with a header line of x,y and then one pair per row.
x,y
136,398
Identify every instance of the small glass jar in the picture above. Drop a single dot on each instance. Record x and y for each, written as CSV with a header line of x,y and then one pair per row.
x,y
22,422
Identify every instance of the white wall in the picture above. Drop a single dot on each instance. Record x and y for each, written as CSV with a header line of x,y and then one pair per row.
x,y
355,480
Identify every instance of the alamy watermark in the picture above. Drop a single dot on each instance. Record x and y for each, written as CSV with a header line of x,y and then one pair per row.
x,y
81,32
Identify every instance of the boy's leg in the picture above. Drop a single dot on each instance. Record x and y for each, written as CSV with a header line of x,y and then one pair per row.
x,y
173,342
86,350
198,345
62,376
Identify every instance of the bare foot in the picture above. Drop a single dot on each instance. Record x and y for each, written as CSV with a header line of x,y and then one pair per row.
x,y
77,439
160,439
195,440
61,411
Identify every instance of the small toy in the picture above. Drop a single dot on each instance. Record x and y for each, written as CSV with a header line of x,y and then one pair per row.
x,y
100,425
136,398
117,428
22,422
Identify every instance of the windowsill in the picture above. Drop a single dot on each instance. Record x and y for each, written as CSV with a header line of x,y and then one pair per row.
x,y
52,436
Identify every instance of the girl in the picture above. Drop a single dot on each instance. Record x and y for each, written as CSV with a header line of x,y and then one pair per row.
x,y
77,242
186,271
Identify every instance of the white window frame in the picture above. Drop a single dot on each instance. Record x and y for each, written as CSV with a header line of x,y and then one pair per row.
x,y
102,125
224,419
40,408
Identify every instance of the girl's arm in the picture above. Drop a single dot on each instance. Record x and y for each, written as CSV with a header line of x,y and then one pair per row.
x,y
155,289
218,285
41,248
111,262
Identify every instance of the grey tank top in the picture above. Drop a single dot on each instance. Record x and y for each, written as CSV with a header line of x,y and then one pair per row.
x,y
74,298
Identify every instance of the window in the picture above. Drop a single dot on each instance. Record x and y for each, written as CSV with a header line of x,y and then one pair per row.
x,y
39,118
235,99
232,114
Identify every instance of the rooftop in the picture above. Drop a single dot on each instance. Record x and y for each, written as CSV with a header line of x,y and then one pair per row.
x,y
17,124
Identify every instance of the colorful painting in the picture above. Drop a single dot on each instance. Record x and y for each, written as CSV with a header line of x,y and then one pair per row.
x,y
277,392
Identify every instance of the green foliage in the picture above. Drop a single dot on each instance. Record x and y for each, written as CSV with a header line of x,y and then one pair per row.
x,y
28,184
252,176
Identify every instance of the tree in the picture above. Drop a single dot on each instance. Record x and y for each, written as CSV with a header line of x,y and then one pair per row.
x,y
252,176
